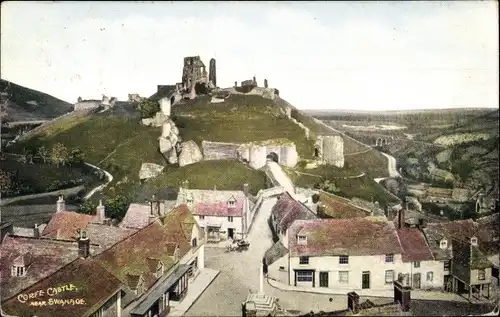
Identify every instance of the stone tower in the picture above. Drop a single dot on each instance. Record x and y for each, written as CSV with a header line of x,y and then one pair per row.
x,y
212,73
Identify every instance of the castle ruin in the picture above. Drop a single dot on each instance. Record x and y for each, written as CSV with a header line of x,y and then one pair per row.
x,y
329,149
212,73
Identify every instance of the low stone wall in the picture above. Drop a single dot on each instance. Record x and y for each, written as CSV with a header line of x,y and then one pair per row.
x,y
65,192
268,93
254,153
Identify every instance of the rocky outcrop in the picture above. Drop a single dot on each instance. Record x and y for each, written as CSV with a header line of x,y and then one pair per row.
x,y
190,153
157,121
150,170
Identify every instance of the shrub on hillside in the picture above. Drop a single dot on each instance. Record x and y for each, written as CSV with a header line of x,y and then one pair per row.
x,y
245,89
148,108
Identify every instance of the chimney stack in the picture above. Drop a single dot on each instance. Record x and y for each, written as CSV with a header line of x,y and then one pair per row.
x,y
101,212
401,218
83,244
246,190
353,302
36,232
261,278
61,204
58,233
402,292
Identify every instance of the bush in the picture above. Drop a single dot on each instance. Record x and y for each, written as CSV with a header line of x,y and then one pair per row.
x,y
201,89
245,89
148,108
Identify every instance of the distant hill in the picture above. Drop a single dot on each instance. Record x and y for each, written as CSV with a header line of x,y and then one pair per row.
x,y
24,104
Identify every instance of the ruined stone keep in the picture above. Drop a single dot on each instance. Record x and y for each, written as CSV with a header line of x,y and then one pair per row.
x,y
212,72
194,71
330,150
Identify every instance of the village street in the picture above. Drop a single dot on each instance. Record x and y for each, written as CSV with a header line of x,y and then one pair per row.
x,y
240,275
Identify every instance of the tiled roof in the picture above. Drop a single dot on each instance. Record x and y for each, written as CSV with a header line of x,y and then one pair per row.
x,y
287,210
214,202
466,255
414,246
337,207
356,236
106,236
459,229
93,284
67,223
129,257
179,225
277,251
47,256
488,234
137,216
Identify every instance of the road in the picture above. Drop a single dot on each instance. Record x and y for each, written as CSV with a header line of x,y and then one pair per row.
x,y
109,177
240,275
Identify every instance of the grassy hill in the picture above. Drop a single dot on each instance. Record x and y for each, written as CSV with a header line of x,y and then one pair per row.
x,y
25,104
115,141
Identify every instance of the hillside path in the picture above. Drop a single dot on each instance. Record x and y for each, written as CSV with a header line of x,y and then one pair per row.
x,y
100,187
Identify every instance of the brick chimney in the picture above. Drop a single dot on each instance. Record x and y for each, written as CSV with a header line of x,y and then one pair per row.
x,y
402,292
101,212
36,231
83,244
353,302
401,217
61,204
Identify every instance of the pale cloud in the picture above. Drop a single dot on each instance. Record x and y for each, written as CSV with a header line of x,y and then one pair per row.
x,y
441,57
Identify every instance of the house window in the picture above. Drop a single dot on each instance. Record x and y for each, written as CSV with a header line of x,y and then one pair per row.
x,y
416,264
230,219
194,243
282,268
389,276
230,203
447,265
344,277
201,217
344,259
304,260
159,270
389,258
304,276
481,274
18,271
301,239
430,276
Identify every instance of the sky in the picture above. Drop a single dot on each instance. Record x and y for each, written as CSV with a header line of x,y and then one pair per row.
x,y
320,55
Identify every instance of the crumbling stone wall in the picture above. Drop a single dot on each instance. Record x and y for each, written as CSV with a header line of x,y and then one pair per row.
x,y
194,71
255,153
268,93
330,150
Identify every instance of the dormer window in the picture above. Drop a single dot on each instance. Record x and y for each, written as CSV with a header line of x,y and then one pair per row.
x,y
18,270
473,241
301,239
231,203
189,200
443,244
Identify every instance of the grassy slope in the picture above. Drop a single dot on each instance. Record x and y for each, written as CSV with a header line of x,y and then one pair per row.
x,y
238,119
18,108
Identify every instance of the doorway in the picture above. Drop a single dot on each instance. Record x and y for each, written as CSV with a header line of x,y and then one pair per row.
x,y
416,280
323,279
230,233
365,280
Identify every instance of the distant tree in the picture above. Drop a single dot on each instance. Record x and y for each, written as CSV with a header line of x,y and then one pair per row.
x,y
6,182
117,206
28,154
88,207
75,157
462,168
59,154
43,153
148,108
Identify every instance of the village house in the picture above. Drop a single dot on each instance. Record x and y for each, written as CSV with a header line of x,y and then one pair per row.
x,y
140,215
81,288
423,270
287,210
157,263
223,214
488,234
345,254
443,238
471,270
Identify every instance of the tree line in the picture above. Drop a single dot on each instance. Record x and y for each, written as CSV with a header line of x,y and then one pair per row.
x,y
59,154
